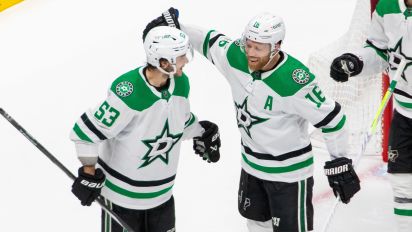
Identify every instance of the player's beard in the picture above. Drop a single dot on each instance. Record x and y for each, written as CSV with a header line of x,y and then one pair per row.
x,y
257,63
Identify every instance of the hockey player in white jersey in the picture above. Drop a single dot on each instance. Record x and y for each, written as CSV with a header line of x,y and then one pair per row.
x,y
134,137
390,38
275,97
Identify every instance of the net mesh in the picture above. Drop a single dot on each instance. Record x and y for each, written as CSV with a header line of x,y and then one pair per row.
x,y
361,95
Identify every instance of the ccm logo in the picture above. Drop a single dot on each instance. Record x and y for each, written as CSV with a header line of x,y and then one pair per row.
x,y
91,184
337,170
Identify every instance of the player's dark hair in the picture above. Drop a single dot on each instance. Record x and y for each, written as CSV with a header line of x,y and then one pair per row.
x,y
151,67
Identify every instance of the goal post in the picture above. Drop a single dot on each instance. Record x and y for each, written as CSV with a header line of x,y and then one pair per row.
x,y
361,95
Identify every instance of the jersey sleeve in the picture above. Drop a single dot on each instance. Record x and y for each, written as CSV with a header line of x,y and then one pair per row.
x,y
375,51
211,44
311,104
98,124
192,127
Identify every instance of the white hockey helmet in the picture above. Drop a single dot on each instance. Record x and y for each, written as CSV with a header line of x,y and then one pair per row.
x,y
167,43
265,28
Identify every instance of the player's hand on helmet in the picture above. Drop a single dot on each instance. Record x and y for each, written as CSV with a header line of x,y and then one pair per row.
x,y
87,187
207,146
342,178
168,18
345,66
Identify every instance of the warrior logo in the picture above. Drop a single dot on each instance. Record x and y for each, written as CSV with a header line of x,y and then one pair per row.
x,y
275,221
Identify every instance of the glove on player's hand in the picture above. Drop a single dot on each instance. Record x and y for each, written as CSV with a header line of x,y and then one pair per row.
x,y
342,178
87,187
345,66
168,18
207,146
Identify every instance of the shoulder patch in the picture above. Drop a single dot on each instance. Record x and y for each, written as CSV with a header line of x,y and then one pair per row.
x,y
133,91
124,88
289,78
300,76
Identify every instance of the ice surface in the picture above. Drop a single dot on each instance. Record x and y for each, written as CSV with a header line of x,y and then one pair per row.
x,y
57,58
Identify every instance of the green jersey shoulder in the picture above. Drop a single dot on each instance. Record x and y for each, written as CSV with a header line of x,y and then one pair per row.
x,y
134,91
290,77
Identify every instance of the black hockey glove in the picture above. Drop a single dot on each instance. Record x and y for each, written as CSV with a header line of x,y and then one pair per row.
x,y
87,187
207,146
342,178
345,66
168,18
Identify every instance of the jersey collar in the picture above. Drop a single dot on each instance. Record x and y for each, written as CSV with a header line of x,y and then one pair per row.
x,y
153,89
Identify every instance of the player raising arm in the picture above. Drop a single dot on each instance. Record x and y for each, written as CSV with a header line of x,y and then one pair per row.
x,y
275,97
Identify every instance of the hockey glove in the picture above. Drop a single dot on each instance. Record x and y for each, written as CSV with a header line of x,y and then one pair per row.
x,y
345,66
207,146
168,18
87,187
342,178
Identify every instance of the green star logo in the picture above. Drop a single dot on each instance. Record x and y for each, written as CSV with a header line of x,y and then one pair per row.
x,y
245,119
160,146
398,49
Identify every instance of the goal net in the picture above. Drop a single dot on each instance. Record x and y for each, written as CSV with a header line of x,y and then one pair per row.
x,y
361,95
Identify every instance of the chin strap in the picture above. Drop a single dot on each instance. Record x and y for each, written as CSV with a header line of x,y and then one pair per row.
x,y
170,74
272,56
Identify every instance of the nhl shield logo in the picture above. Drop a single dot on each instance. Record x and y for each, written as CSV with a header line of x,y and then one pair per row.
x,y
124,88
300,76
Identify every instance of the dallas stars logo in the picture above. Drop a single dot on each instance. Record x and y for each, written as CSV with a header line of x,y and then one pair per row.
x,y
160,146
398,49
245,119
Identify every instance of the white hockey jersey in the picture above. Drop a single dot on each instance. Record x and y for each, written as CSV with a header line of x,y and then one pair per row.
x,y
391,32
136,134
273,110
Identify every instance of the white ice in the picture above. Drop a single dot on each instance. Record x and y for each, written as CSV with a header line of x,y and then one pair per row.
x,y
57,58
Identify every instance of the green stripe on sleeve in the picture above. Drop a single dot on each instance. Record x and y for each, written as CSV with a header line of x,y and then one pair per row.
x,y
337,127
380,53
190,121
284,169
81,134
404,104
206,43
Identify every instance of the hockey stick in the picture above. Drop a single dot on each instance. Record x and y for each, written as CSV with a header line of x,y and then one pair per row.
x,y
367,136
62,167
